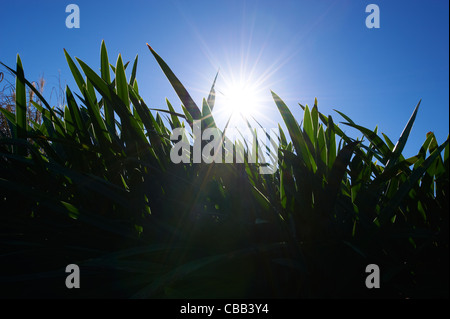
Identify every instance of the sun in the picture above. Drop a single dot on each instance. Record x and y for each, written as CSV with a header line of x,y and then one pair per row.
x,y
241,98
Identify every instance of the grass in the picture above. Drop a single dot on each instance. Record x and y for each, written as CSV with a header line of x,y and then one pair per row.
x,y
93,184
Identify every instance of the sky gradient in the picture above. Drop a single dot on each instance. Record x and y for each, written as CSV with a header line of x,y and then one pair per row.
x,y
299,49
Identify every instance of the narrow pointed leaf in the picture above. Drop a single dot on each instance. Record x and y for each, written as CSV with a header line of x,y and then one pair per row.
x,y
181,91
75,72
121,82
133,71
21,102
294,132
410,182
402,140
212,93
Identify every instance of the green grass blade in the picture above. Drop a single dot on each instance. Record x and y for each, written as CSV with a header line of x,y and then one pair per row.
x,y
80,126
38,95
308,124
101,86
21,102
175,121
129,123
295,132
97,120
207,118
331,141
68,121
322,146
283,141
133,72
375,140
412,180
121,82
388,142
104,63
396,153
75,72
212,93
315,118
105,74
187,115
181,91
337,174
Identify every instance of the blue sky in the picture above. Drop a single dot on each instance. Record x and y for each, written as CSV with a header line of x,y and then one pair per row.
x,y
299,49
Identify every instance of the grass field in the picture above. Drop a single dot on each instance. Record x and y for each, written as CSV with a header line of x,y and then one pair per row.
x,y
92,184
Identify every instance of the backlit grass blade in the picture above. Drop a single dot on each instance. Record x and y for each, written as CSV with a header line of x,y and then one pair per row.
x,y
21,105
174,116
336,129
396,153
336,177
388,142
101,86
182,93
105,90
322,146
154,132
188,115
113,68
295,132
169,112
388,212
97,120
145,115
133,71
283,141
68,121
49,120
375,140
90,89
129,124
271,151
75,72
315,118
308,124
121,82
423,150
80,127
212,94
105,74
104,63
207,118
331,141
38,95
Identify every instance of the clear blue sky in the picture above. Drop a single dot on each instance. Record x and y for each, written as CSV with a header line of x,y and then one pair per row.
x,y
299,49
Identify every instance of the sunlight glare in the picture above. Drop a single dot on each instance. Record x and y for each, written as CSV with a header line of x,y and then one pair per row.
x,y
241,98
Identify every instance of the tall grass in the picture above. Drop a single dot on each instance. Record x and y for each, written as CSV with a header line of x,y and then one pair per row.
x,y
93,184
8,98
